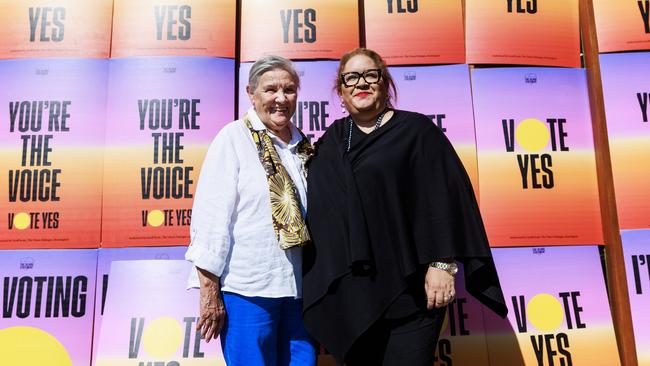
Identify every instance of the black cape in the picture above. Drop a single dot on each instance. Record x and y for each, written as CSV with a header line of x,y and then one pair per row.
x,y
398,200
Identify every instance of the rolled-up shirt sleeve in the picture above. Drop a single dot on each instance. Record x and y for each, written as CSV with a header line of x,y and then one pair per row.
x,y
214,205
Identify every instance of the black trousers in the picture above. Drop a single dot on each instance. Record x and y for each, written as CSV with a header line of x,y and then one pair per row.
x,y
407,341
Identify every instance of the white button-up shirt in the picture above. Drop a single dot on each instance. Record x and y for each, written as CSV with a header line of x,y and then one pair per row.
x,y
232,233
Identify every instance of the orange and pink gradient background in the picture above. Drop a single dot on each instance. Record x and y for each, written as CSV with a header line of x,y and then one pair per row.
x,y
83,83
433,34
212,29
549,37
624,75
567,214
128,148
619,25
530,272
156,291
337,29
87,29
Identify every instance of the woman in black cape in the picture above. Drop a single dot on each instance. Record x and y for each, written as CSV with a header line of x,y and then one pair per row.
x,y
391,210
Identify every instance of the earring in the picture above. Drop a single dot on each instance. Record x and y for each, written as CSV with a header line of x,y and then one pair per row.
x,y
343,109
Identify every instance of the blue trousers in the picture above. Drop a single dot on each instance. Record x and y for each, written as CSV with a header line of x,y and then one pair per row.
x,y
265,332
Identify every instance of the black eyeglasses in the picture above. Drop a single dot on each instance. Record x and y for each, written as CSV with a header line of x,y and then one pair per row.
x,y
371,76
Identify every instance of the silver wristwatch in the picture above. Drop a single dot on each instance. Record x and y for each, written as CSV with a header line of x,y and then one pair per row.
x,y
451,268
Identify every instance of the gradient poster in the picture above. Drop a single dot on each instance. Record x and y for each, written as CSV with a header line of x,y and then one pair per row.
x,y
626,89
174,28
536,165
47,306
318,104
105,257
407,32
150,318
622,25
298,29
462,339
523,32
55,28
636,248
558,312
443,94
163,113
51,145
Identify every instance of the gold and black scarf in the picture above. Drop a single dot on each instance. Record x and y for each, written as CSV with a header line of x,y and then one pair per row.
x,y
288,220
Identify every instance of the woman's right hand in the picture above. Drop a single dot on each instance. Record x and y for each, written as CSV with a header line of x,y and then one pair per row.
x,y
211,309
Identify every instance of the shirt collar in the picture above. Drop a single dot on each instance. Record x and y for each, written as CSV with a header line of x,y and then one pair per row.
x,y
258,125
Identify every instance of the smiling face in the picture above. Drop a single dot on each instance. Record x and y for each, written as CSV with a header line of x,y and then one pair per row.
x,y
364,97
274,99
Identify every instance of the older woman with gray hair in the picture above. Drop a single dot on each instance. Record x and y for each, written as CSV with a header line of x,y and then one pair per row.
x,y
248,226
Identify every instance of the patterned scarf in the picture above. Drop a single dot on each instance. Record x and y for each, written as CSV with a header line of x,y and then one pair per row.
x,y
288,220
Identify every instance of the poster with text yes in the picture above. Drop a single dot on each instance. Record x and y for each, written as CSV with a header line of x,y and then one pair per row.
x,y
55,28
407,32
174,28
558,310
622,25
162,114
626,89
523,32
536,164
105,257
51,146
150,318
298,29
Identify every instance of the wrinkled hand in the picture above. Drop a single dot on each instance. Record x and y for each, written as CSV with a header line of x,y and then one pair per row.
x,y
439,287
211,308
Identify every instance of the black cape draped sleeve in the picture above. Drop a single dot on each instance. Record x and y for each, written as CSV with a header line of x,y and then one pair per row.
x,y
398,200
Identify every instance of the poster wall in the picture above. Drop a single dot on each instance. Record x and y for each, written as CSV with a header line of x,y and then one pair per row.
x,y
105,257
162,115
537,171
523,32
53,112
636,248
558,312
174,28
318,105
407,32
443,94
47,315
151,318
626,90
55,28
622,25
298,29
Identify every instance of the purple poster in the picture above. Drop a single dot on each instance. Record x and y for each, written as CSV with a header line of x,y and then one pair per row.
x,y
318,104
443,94
626,89
106,256
47,306
150,317
163,113
558,312
536,164
636,247
52,114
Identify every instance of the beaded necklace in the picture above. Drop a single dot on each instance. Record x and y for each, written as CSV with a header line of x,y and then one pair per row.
x,y
350,122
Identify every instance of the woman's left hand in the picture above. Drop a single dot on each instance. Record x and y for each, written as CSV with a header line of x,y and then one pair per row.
x,y
439,287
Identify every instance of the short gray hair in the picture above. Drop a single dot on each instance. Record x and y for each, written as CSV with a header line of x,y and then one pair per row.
x,y
268,63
